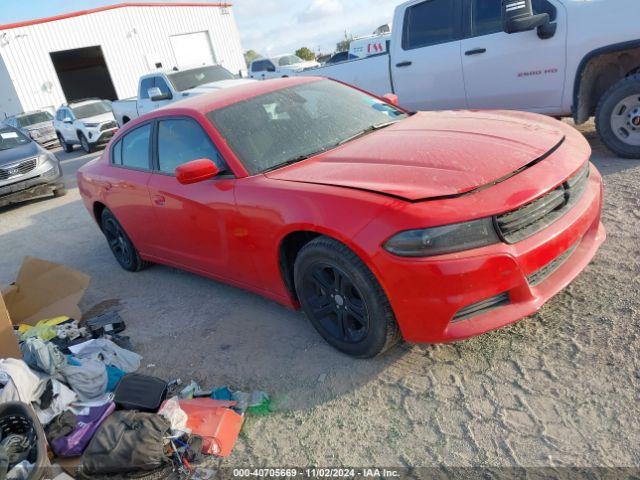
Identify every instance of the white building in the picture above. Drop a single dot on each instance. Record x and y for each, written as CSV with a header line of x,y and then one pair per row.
x,y
102,52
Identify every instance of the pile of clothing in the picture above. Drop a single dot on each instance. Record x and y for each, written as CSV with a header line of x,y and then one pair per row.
x,y
80,381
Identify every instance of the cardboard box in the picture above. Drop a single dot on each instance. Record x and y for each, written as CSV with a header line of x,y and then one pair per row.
x,y
41,291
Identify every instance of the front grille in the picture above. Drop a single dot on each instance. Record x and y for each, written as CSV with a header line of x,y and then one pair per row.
x,y
481,307
539,276
529,219
18,169
108,126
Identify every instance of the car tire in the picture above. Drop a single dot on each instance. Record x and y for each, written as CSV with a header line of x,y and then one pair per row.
x,y
343,299
60,192
86,146
120,244
67,147
618,118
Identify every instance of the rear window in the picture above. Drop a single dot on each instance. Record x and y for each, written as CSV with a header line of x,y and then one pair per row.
x,y
11,138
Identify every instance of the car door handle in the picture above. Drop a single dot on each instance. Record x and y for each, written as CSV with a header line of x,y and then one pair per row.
x,y
404,64
159,200
476,51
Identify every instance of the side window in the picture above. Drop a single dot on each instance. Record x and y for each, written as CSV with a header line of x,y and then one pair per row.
x,y
544,6
430,23
116,153
486,17
134,151
259,66
145,85
181,141
162,85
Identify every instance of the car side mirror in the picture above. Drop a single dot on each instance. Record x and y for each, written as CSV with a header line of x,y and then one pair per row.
x,y
196,171
67,120
391,99
518,16
156,95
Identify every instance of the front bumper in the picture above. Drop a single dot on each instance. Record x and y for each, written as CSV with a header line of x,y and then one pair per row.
x,y
41,181
97,137
428,294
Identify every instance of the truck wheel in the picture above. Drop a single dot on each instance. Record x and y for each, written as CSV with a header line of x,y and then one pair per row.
x,y
343,299
86,146
67,147
618,117
121,246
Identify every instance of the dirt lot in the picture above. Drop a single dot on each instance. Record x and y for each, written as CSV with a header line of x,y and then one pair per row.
x,y
560,388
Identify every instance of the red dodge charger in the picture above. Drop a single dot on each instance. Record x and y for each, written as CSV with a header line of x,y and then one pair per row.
x,y
380,223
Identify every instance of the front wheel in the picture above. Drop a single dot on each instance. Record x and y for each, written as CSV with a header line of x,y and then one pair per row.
x,y
120,244
618,117
67,147
343,299
86,146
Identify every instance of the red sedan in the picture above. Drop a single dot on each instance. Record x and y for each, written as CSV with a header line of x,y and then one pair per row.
x,y
380,223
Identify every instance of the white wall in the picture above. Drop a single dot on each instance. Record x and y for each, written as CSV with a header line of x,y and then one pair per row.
x,y
131,38
9,101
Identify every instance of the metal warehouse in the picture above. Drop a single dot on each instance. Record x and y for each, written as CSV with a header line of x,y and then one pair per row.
x,y
102,52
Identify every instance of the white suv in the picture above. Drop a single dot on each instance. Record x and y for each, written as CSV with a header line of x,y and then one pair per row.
x,y
87,123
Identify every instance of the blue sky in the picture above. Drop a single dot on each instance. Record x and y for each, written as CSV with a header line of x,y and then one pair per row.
x,y
267,26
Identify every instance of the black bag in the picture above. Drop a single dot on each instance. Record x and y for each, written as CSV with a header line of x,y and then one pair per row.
x,y
140,392
107,323
127,441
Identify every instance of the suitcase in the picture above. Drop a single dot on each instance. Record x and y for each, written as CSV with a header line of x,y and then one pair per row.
x,y
140,392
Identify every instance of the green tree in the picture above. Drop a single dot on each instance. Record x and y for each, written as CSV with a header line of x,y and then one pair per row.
x,y
305,54
343,45
250,56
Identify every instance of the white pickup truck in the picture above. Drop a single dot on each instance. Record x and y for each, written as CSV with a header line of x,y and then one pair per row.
x,y
558,57
157,89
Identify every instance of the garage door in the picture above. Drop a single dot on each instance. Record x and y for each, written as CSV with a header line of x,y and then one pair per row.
x,y
193,50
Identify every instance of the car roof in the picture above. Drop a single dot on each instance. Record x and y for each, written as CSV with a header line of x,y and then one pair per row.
x,y
228,96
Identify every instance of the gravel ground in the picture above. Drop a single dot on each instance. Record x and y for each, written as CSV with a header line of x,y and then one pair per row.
x,y
560,388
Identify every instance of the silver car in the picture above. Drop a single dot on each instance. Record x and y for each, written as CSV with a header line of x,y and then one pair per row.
x,y
26,169
38,125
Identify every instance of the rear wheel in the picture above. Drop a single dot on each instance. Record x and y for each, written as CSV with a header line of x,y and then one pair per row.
x,y
86,146
67,147
618,117
343,299
120,244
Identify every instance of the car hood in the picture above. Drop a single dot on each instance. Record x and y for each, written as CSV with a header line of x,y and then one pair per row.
x,y
22,152
213,86
433,154
38,126
103,117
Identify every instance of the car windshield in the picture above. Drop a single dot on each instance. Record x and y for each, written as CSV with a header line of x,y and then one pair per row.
x,y
188,79
11,138
33,119
288,60
291,124
91,109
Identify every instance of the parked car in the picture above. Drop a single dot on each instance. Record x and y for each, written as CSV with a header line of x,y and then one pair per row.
x,y
557,57
26,169
38,125
381,224
159,89
340,57
87,123
279,66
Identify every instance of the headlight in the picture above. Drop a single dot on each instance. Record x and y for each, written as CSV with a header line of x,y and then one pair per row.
x,y
34,134
446,239
45,157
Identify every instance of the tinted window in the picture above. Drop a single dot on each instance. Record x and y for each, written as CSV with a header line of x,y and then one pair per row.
x,y
282,126
145,86
135,148
486,17
430,23
116,153
162,85
261,66
180,141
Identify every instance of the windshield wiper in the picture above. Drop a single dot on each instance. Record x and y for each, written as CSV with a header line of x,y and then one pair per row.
x,y
366,131
294,160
